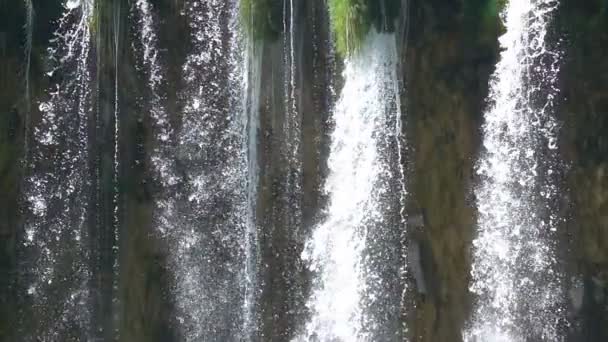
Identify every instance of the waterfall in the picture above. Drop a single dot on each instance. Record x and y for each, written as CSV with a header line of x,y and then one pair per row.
x,y
219,142
212,233
347,252
55,251
514,271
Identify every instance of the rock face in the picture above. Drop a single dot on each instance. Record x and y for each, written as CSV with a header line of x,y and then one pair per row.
x,y
448,51
582,28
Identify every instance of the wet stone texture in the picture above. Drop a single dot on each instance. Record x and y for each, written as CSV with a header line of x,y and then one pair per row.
x,y
449,56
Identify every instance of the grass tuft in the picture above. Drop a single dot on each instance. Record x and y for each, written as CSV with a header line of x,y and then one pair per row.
x,y
350,22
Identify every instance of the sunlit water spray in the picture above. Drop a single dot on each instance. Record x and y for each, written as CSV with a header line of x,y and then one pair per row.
x,y
348,288
514,270
162,153
207,214
56,258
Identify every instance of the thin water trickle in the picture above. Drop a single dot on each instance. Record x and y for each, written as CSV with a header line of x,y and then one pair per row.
x,y
116,173
251,87
29,28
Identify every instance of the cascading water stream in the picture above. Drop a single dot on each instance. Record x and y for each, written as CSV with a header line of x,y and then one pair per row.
x,y
514,269
347,284
210,223
56,258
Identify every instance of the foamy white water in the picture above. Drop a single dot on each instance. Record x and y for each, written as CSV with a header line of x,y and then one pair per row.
x,y
57,188
514,270
345,286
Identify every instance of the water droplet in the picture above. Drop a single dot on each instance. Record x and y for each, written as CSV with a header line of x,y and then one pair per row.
x,y
44,107
552,143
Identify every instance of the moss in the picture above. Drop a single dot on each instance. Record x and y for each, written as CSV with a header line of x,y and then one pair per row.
x,y
261,19
485,8
482,18
495,7
351,20
451,53
444,145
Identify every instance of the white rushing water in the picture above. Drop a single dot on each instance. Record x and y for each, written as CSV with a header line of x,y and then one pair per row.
x,y
57,188
514,272
345,284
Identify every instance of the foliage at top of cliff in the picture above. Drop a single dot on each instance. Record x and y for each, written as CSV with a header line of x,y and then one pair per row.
x,y
261,18
351,20
350,23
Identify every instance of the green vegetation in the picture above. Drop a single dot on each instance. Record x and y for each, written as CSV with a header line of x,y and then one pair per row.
x,y
350,21
261,18
483,10
482,18
495,7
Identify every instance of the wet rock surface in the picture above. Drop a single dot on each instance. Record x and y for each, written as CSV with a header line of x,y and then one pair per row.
x,y
585,146
448,59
